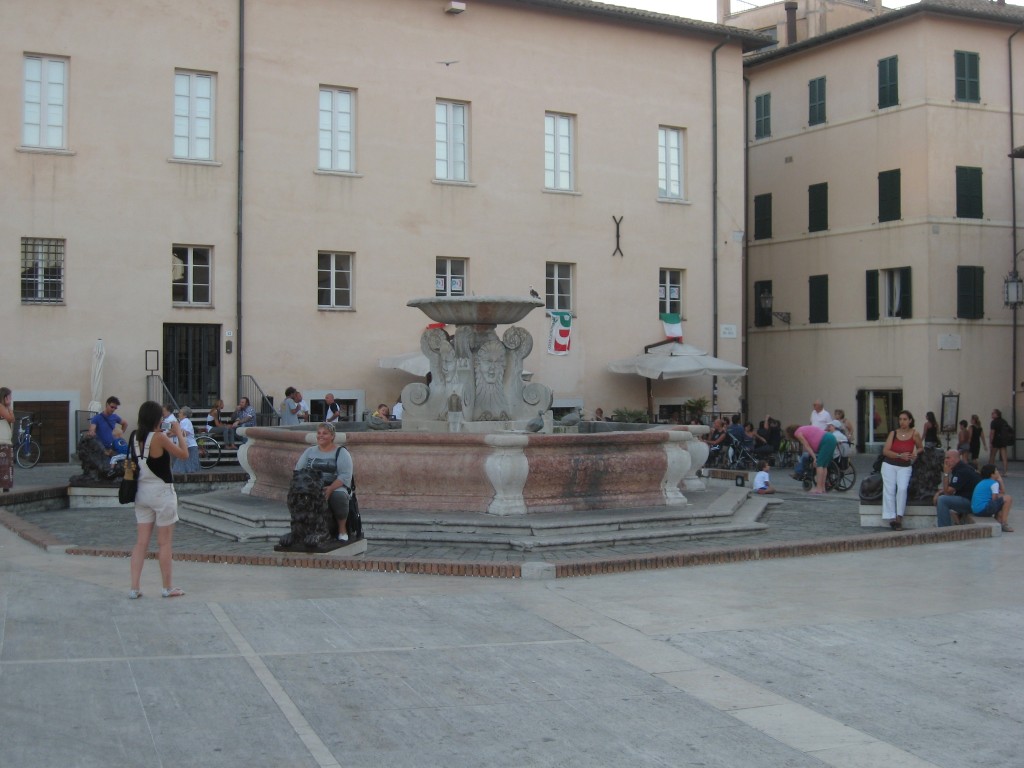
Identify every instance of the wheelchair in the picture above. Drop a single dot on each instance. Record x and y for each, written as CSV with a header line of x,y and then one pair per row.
x,y
840,475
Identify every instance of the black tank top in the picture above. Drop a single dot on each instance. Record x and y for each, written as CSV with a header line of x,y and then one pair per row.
x,y
159,466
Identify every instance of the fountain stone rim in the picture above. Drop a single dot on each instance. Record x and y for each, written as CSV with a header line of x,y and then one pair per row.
x,y
476,310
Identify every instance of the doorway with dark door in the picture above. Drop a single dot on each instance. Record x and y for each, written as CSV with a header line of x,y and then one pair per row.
x,y
191,367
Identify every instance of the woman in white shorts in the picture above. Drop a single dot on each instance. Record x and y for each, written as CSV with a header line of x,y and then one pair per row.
x,y
155,502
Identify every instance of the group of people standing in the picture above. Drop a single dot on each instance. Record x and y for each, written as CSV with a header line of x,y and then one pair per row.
x,y
820,440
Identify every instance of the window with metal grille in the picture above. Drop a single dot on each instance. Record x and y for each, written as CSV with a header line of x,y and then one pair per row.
x,y
42,270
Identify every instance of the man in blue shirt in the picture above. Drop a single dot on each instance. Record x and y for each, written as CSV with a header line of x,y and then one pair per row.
x,y
102,425
987,501
953,502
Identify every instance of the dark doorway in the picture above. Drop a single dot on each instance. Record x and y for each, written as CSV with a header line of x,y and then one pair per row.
x,y
192,363
51,431
876,415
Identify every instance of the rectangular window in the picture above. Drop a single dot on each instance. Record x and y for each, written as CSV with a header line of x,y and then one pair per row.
x,y
897,292
817,207
889,204
558,152
450,141
670,291
816,101
42,270
762,315
968,84
193,116
190,274
334,280
670,163
970,293
450,277
762,217
763,116
968,193
888,82
336,130
44,115
818,298
558,287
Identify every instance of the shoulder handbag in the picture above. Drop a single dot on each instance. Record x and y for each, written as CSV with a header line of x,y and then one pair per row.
x,y
130,482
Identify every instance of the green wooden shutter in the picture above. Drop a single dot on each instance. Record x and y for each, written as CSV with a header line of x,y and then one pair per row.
x,y
817,207
906,305
818,298
871,293
762,217
970,296
968,193
889,204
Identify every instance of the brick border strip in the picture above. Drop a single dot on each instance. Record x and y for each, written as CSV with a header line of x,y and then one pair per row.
x,y
565,569
805,548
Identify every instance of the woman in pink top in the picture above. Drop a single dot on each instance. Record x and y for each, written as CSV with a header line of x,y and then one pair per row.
x,y
901,448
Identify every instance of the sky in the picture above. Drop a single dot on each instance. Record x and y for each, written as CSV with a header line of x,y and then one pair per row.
x,y
707,10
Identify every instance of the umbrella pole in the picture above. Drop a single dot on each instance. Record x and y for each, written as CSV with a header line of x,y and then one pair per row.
x,y
650,402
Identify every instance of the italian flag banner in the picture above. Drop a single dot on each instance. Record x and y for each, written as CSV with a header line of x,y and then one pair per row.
x,y
673,325
558,338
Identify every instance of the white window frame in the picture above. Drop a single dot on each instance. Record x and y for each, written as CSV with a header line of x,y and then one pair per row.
x,y
40,256
336,127
559,154
558,286
671,165
45,102
195,105
670,291
451,141
451,276
185,272
332,284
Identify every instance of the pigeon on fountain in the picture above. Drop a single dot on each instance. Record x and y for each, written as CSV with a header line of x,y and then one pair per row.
x,y
534,293
570,419
536,424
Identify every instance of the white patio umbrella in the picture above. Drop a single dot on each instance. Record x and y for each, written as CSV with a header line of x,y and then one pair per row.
x,y
415,363
98,354
676,361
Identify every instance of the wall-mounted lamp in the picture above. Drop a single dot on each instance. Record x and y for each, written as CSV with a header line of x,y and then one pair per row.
x,y
454,7
766,300
1013,289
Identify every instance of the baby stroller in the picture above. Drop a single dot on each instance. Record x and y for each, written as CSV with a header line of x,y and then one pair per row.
x,y
740,457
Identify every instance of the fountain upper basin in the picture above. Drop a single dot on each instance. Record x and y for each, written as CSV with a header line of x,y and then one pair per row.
x,y
476,310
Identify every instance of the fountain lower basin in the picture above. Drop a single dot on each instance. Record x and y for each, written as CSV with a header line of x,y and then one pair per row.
x,y
498,473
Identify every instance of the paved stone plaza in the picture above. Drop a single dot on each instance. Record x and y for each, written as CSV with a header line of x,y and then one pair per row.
x,y
896,657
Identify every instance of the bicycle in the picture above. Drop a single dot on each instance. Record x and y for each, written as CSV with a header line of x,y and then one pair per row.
x,y
209,451
26,450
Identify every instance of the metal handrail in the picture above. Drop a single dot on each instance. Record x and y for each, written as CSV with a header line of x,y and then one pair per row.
x,y
266,412
157,390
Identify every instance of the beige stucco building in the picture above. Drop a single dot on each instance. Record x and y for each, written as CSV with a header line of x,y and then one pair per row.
x,y
382,151
883,216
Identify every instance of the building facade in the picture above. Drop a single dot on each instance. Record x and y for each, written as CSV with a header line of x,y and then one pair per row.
x,y
883,217
233,193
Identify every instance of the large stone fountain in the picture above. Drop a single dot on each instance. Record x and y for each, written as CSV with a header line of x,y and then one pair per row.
x,y
465,443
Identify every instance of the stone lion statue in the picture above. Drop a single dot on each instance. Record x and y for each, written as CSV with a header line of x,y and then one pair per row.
x,y
311,518
927,474
96,466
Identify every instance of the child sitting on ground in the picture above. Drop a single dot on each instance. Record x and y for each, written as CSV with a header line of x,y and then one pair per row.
x,y
762,480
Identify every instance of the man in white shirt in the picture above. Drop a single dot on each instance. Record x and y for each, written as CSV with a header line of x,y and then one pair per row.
x,y
820,418
332,411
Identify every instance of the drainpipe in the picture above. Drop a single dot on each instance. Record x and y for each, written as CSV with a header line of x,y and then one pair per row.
x,y
238,191
744,251
1013,202
714,214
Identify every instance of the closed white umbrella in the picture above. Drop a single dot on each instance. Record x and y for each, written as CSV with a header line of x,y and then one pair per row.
x,y
98,354
415,363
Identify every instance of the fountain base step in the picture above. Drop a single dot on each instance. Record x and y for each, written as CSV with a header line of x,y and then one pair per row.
x,y
730,512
